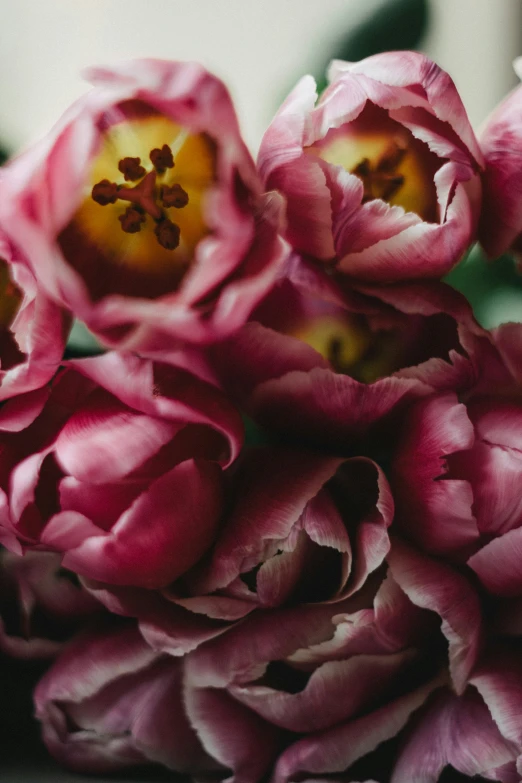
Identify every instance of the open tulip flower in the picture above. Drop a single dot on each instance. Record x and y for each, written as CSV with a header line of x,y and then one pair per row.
x,y
120,470
142,212
382,175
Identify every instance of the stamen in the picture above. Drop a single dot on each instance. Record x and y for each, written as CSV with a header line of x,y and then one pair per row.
x,y
168,234
363,169
174,196
131,220
105,192
334,352
162,158
380,180
144,197
390,185
392,157
131,169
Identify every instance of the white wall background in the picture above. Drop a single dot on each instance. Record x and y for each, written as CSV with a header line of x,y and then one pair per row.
x,y
259,47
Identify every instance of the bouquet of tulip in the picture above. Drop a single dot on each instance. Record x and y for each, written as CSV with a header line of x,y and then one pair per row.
x,y
339,592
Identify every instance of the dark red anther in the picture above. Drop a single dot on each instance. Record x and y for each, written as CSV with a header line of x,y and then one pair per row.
x,y
131,220
105,192
131,169
174,196
167,234
162,158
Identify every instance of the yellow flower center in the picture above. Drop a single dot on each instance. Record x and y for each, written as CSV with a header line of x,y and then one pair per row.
x,y
143,209
390,162
10,296
350,346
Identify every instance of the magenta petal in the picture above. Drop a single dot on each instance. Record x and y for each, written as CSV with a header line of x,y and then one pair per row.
x,y
160,728
455,730
508,339
285,168
336,749
501,142
235,736
499,681
110,701
105,441
497,564
257,353
280,575
168,393
19,412
149,545
272,493
336,691
356,230
372,542
433,585
244,651
435,511
114,653
68,530
165,626
102,504
427,84
335,407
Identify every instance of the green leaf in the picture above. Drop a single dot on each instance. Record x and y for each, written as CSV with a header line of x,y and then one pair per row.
x,y
493,288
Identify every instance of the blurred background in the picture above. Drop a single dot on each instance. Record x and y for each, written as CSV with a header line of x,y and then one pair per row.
x,y
260,48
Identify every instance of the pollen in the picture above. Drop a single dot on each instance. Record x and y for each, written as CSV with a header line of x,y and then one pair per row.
x,y
131,168
162,159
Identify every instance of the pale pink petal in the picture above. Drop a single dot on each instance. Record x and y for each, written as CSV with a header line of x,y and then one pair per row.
x,y
336,749
434,510
433,585
136,552
454,730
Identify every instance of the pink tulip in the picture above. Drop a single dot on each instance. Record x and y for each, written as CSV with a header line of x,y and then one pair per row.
x,y
142,212
111,702
303,692
40,604
456,476
501,141
121,470
313,691
327,362
33,330
300,528
382,174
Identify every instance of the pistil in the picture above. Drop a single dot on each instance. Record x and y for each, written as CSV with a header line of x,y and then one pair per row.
x,y
146,197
